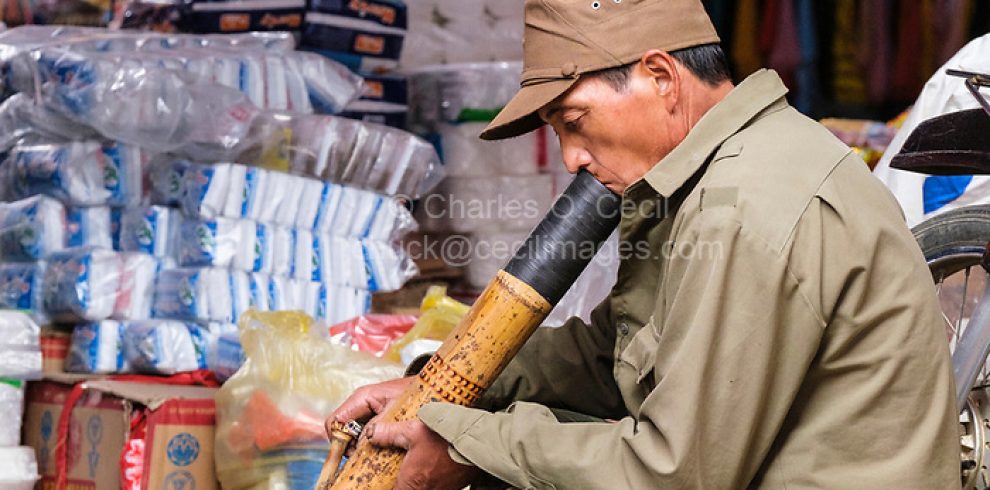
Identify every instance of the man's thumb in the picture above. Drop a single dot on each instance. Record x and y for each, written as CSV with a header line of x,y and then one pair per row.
x,y
390,434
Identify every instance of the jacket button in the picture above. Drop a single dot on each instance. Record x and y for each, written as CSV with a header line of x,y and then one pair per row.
x,y
624,328
569,69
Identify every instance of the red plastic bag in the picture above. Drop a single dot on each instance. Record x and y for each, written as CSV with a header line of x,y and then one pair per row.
x,y
373,334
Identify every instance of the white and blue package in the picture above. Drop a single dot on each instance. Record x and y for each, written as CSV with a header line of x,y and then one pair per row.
x,y
391,221
226,356
96,348
341,303
71,172
122,174
81,284
311,298
388,267
276,83
306,263
287,294
330,85
215,242
246,196
288,209
277,190
378,112
310,203
89,227
329,204
264,253
258,290
182,294
136,288
20,286
152,230
165,347
295,86
168,181
206,190
31,229
240,288
283,251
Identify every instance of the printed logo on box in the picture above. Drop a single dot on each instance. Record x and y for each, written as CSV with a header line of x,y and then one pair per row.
x,y
363,43
180,480
94,433
235,22
182,450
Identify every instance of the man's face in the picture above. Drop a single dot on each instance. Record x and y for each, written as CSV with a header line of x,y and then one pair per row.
x,y
616,135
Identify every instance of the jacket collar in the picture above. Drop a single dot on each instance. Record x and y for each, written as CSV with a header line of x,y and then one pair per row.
x,y
744,103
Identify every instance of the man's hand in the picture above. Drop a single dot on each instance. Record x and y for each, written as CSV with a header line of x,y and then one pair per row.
x,y
427,464
368,401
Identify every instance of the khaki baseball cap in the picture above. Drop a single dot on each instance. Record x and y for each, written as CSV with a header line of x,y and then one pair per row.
x,y
567,38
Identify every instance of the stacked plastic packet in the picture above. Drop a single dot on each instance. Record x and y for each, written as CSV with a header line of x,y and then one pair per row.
x,y
360,154
272,77
20,360
384,100
249,238
366,36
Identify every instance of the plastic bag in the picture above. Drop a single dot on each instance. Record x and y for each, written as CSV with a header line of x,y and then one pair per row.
x,y
20,343
440,315
11,411
96,348
81,285
31,229
356,153
372,333
20,288
270,414
165,347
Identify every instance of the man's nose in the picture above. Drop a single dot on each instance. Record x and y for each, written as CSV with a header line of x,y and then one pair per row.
x,y
575,158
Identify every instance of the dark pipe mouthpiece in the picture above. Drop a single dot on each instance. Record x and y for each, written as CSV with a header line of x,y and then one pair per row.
x,y
563,244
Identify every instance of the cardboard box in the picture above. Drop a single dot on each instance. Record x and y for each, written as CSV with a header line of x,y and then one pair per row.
x,y
173,452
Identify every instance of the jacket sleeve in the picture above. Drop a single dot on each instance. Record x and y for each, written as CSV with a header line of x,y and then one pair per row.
x,y
566,367
718,373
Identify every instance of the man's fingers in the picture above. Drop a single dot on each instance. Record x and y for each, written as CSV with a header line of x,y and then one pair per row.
x,y
398,434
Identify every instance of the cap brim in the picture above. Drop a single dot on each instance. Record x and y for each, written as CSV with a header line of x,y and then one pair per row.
x,y
520,115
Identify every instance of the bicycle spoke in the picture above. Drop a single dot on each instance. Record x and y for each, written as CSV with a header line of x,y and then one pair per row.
x,y
962,309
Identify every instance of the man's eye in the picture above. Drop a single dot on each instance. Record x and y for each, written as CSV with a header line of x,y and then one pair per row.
x,y
573,124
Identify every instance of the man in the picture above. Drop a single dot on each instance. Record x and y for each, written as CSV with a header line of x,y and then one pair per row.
x,y
782,333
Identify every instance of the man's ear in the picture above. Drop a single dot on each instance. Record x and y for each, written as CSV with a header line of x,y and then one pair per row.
x,y
664,76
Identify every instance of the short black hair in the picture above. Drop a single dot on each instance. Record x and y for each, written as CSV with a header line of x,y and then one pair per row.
x,y
707,62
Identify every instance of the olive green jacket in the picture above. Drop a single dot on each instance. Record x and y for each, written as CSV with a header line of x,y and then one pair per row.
x,y
781,331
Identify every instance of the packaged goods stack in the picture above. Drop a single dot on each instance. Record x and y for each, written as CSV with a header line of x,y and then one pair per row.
x,y
210,16
212,240
366,36
158,187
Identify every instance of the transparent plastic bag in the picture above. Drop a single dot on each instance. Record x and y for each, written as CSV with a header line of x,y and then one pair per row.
x,y
277,402
193,295
81,284
32,229
11,412
20,288
356,153
439,315
20,343
96,348
165,347
152,230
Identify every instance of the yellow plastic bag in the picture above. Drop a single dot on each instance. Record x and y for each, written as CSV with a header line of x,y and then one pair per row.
x,y
270,413
440,314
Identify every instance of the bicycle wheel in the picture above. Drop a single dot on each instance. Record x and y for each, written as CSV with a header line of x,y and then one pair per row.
x,y
953,244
